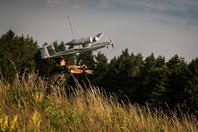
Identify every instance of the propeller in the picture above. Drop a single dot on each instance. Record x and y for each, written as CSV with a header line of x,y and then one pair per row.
x,y
111,42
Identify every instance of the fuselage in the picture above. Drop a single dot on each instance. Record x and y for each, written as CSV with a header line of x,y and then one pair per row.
x,y
85,42
81,41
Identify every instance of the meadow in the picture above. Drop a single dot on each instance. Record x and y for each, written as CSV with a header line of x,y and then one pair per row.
x,y
33,103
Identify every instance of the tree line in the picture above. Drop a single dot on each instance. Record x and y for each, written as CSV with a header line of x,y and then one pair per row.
x,y
152,80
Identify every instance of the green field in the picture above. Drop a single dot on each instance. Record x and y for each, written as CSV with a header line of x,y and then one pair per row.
x,y
25,106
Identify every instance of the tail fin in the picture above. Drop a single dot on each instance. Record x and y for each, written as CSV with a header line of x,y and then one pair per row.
x,y
44,52
51,50
47,51
97,37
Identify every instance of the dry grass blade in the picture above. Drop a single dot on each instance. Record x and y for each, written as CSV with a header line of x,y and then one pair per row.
x,y
25,106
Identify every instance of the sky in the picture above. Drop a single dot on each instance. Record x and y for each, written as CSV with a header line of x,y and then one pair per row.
x,y
162,27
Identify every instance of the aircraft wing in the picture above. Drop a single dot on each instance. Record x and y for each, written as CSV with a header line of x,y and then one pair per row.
x,y
49,52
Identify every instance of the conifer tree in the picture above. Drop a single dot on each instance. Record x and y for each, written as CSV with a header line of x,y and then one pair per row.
x,y
17,55
177,68
190,103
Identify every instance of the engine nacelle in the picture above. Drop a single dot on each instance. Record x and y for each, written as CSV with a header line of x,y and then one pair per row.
x,y
86,40
81,41
51,49
90,39
95,39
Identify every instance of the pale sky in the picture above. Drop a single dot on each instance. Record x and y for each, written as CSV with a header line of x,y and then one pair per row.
x,y
164,27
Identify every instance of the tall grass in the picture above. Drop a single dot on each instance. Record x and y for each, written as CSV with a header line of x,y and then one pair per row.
x,y
26,106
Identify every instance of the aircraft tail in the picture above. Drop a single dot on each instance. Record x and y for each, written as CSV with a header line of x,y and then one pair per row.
x,y
97,37
51,50
47,51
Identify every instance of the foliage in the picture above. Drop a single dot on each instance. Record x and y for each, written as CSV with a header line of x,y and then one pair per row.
x,y
101,68
191,88
86,58
16,55
152,80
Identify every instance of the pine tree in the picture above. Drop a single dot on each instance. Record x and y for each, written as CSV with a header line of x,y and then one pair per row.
x,y
17,55
190,103
101,68
86,58
176,83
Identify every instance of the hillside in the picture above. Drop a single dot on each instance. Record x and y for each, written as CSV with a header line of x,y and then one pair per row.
x,y
25,105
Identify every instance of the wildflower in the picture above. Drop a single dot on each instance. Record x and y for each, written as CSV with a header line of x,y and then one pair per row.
x,y
1,122
35,120
4,123
38,96
14,122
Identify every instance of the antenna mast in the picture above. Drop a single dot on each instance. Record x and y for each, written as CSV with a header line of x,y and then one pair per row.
x,y
71,27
